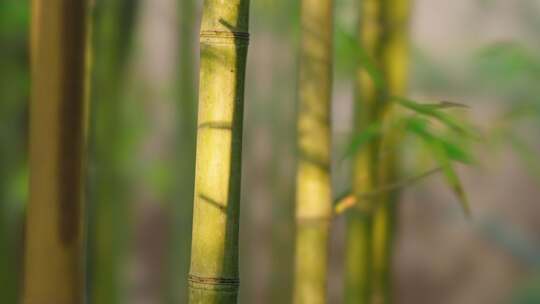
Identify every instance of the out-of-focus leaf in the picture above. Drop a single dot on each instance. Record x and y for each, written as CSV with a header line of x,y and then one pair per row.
x,y
434,112
452,150
507,59
526,110
14,18
452,179
447,104
346,43
508,68
527,292
526,153
359,140
444,153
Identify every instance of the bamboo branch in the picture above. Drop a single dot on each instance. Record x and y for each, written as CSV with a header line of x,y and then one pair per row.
x,y
348,200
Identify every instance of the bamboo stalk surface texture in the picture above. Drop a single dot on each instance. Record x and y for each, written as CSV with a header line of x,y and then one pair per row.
x,y
214,256
313,183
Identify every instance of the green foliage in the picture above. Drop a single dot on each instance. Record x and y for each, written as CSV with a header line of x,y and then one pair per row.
x,y
434,111
14,83
14,19
446,137
451,150
526,153
512,71
506,65
529,294
508,69
351,56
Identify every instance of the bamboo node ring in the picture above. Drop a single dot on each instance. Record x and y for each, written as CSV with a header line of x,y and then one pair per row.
x,y
213,283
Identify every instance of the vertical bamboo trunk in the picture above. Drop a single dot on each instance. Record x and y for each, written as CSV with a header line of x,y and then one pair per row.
x,y
214,255
383,37
54,272
181,208
108,220
358,260
313,196
393,62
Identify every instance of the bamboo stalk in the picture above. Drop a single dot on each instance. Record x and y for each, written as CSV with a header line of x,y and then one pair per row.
x,y
382,36
214,255
393,61
358,259
313,194
108,227
54,272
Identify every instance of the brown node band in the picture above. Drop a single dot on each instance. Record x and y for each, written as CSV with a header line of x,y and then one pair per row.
x,y
209,283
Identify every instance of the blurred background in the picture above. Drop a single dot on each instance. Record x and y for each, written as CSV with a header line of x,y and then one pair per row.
x,y
483,53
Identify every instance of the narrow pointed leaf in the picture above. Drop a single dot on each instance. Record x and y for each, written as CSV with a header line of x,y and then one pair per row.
x,y
434,112
447,105
348,41
454,151
452,179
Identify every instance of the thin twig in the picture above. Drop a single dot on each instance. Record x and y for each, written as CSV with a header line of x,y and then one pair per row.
x,y
347,201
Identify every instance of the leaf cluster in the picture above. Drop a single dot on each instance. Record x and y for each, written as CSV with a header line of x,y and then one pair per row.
x,y
447,138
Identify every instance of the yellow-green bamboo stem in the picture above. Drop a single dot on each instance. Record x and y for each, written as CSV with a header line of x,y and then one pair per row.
x,y
181,203
393,63
358,260
313,192
54,272
214,255
108,221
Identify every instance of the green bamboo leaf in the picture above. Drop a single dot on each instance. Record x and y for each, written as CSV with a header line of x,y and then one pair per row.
x,y
527,154
359,140
444,156
457,153
434,112
454,151
447,104
349,44
452,179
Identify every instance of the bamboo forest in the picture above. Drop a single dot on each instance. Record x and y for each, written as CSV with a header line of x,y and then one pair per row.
x,y
269,151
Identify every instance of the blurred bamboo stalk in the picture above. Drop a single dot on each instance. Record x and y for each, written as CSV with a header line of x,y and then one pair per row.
x,y
113,31
54,271
181,203
394,66
214,256
358,260
313,193
370,233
